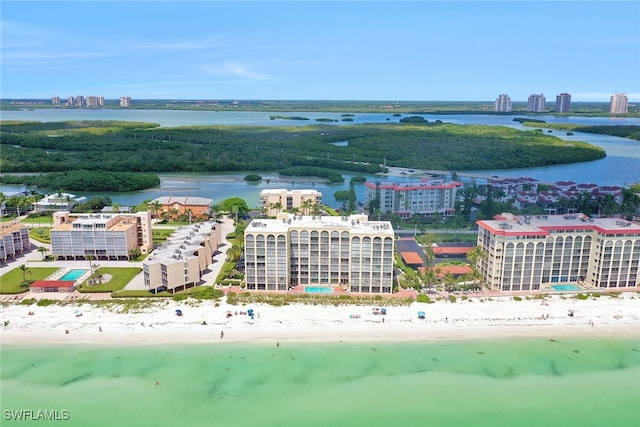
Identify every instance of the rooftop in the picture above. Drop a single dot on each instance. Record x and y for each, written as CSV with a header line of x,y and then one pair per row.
x,y
353,223
544,224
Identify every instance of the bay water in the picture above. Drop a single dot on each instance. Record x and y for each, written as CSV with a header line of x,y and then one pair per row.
x,y
524,382
621,166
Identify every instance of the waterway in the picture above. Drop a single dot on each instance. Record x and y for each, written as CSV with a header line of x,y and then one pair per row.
x,y
621,166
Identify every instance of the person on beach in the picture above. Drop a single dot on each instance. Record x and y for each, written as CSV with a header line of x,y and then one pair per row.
x,y
221,334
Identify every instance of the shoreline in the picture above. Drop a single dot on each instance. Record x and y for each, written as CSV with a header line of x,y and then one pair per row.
x,y
203,322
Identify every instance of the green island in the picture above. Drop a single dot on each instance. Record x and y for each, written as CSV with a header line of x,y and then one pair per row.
x,y
288,118
623,131
111,149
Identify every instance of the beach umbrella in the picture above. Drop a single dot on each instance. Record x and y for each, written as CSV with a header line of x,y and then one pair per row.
x,y
421,315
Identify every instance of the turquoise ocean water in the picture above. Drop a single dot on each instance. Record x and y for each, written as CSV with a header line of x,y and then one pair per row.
x,y
564,382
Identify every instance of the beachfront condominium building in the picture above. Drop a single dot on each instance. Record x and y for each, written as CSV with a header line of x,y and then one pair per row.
x,y
125,101
535,103
528,252
273,201
619,104
55,100
193,208
350,252
410,198
503,103
182,259
14,239
563,103
102,236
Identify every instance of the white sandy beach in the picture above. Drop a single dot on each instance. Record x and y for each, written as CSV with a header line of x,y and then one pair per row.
x,y
498,317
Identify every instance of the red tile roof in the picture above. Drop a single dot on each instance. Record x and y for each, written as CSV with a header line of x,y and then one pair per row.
x,y
441,250
411,258
52,284
456,270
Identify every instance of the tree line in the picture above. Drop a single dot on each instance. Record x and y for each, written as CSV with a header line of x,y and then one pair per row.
x,y
64,146
84,180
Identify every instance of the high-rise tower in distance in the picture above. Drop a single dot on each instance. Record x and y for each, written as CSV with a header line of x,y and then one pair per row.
x,y
503,103
563,103
619,103
535,103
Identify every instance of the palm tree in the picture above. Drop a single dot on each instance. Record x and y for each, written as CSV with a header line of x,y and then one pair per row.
x,y
475,255
43,251
306,206
277,206
24,270
90,258
156,207
451,282
476,276
430,277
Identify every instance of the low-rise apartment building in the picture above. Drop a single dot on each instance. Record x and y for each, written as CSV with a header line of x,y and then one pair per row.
x,y
527,252
196,208
350,252
14,239
180,262
417,197
58,202
102,236
273,201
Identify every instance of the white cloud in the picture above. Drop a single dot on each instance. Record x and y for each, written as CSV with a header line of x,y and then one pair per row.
x,y
177,45
231,68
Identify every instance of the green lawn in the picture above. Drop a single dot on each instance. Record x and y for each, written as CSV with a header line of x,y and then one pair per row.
x,y
44,221
160,235
120,277
448,237
11,281
41,234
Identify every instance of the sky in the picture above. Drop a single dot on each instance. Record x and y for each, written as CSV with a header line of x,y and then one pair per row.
x,y
322,50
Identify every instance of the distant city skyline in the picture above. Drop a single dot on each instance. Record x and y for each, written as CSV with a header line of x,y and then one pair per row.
x,y
322,50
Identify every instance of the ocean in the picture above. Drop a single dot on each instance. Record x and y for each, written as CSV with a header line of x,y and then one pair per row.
x,y
524,382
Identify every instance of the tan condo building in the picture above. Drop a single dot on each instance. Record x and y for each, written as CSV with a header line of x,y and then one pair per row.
x,y
274,201
180,262
559,252
348,252
102,236
14,239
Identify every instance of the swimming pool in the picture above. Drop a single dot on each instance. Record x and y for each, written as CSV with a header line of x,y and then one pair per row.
x,y
566,287
72,275
318,290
